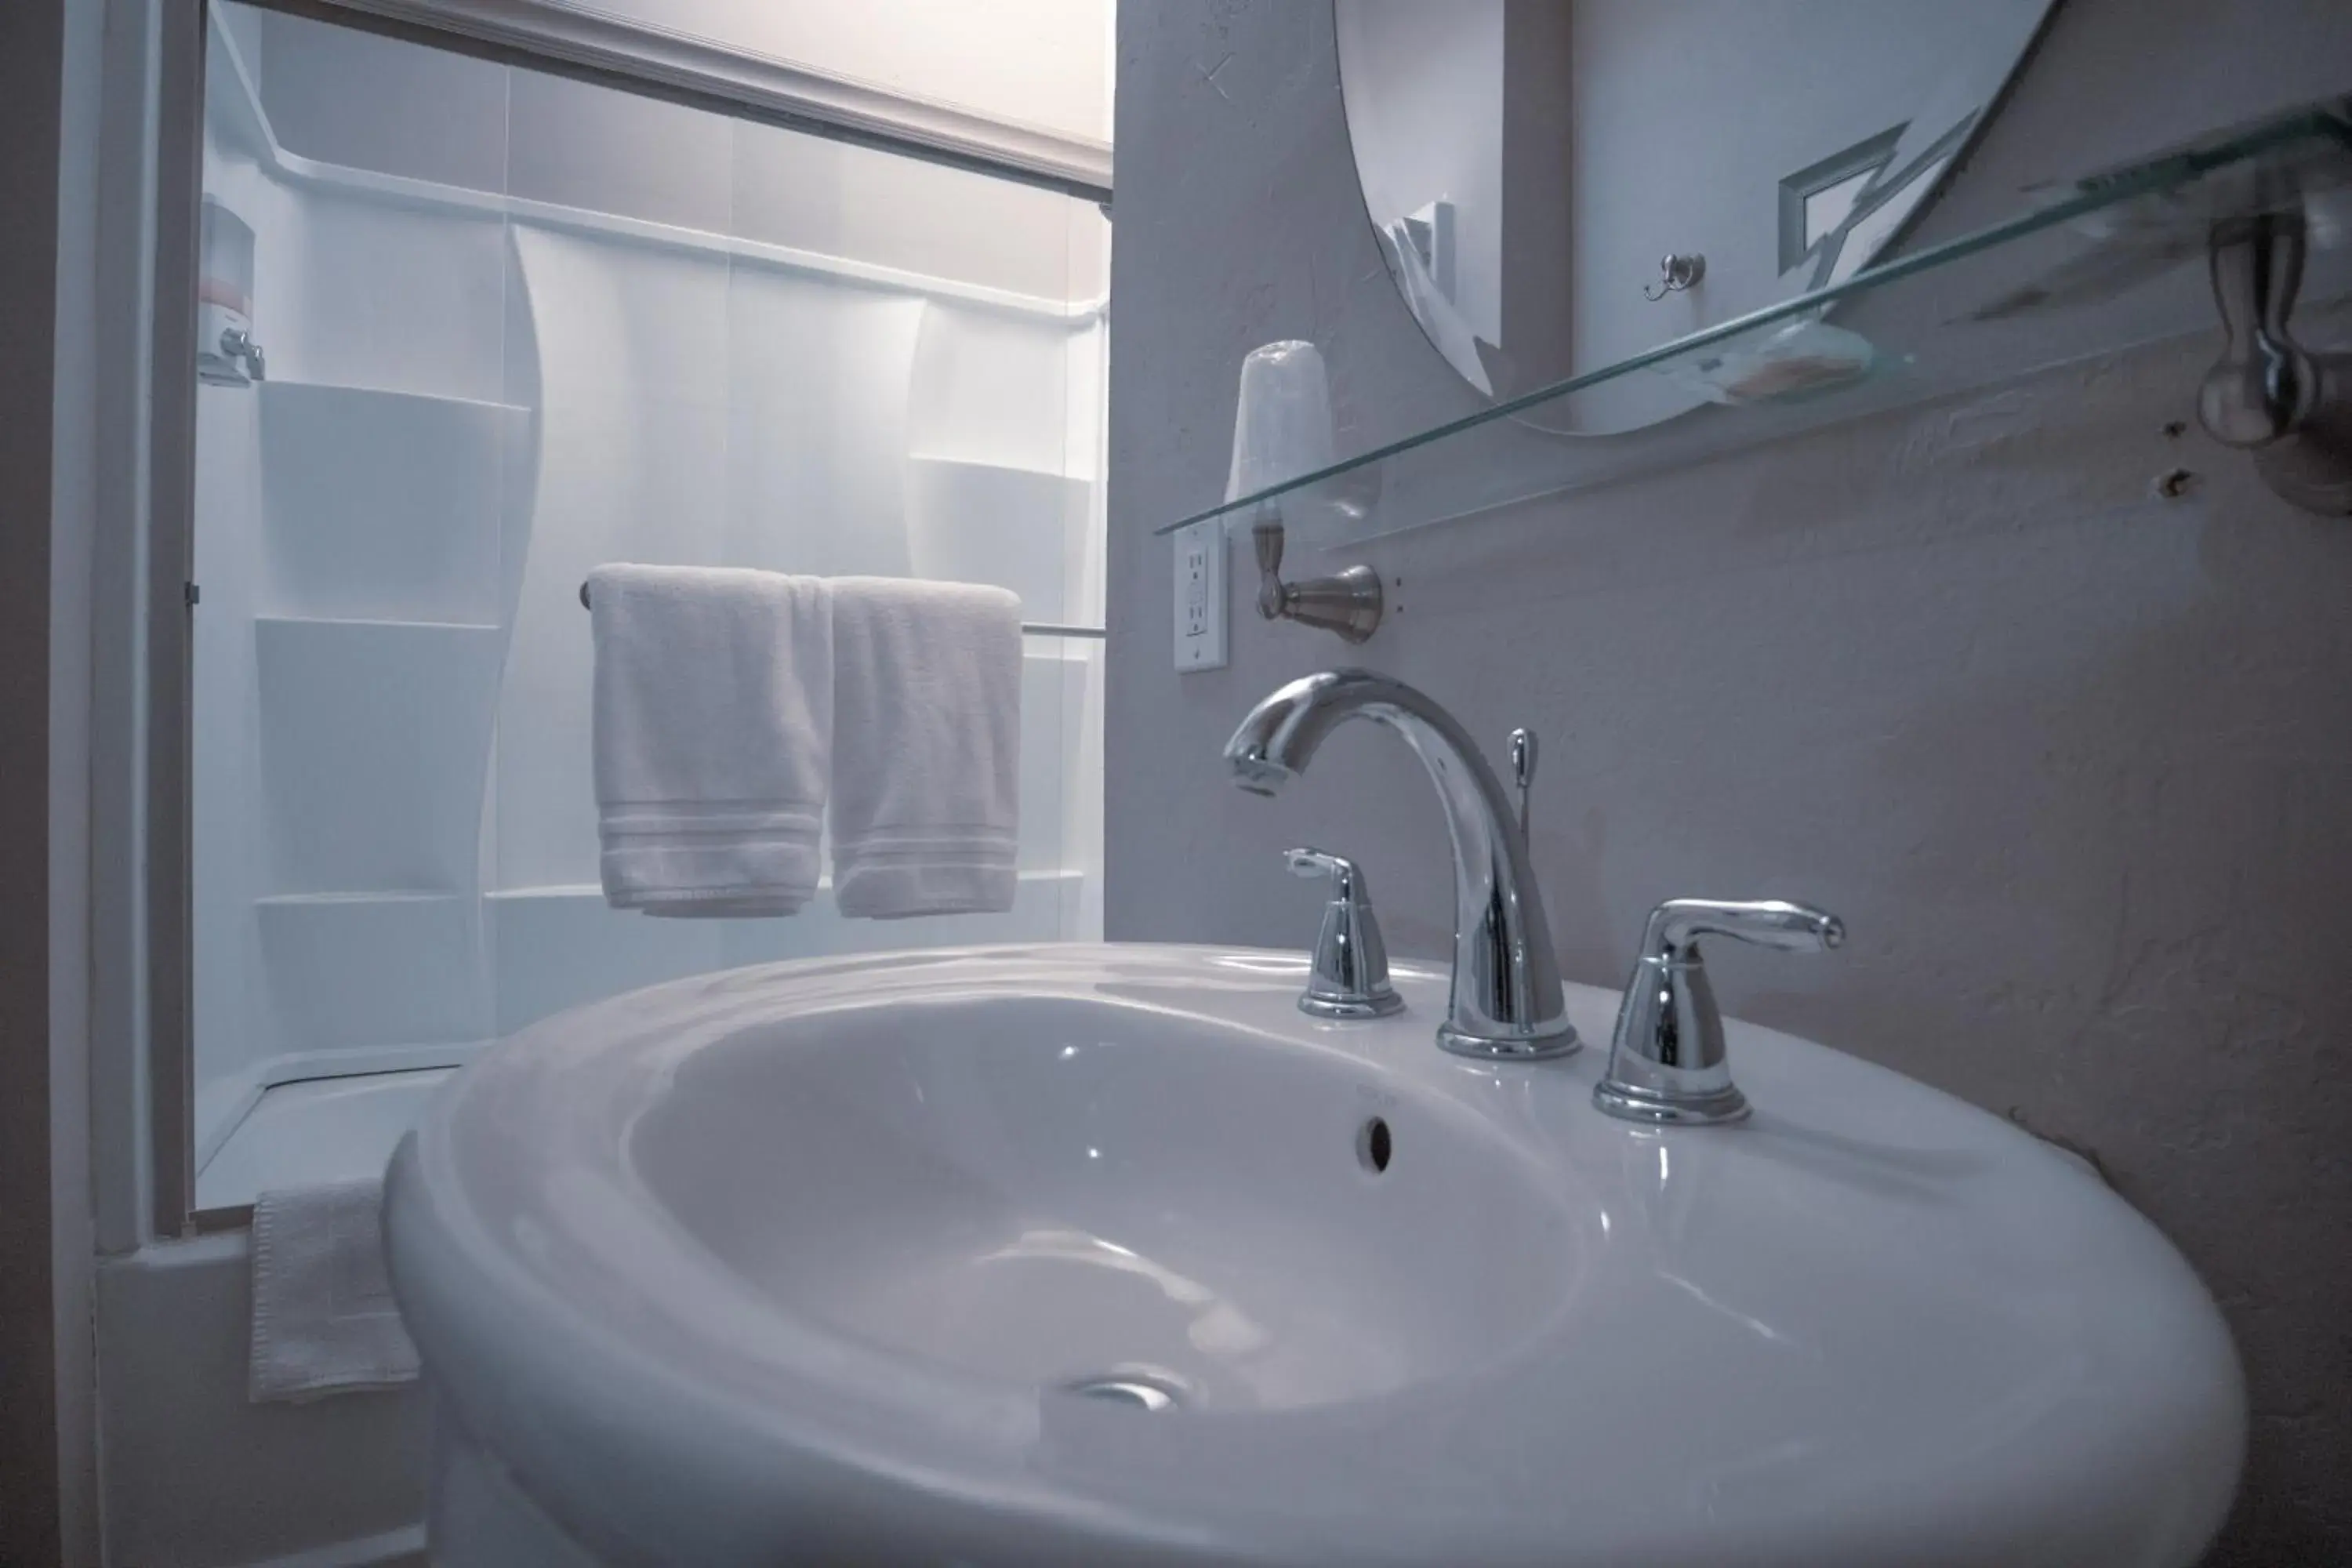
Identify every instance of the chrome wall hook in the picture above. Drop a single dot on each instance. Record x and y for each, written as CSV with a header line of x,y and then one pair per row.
x,y
1348,603
1677,272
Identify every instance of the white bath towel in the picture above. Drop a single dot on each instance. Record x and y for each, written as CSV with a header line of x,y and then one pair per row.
x,y
927,747
324,1316
713,737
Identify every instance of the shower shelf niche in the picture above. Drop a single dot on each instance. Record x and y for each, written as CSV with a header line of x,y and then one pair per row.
x,y
2089,267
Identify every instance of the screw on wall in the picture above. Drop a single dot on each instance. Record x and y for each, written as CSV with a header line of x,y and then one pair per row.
x,y
2176,428
2174,483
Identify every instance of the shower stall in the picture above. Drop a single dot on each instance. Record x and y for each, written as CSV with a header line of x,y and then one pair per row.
x,y
466,330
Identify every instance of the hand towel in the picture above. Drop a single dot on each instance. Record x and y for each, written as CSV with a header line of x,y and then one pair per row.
x,y
713,737
324,1316
926,747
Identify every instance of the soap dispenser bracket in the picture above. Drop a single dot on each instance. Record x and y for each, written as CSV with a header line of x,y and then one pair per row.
x,y
2267,395
1348,602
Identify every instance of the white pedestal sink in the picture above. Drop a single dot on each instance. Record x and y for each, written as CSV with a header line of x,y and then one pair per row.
x,y
1098,1254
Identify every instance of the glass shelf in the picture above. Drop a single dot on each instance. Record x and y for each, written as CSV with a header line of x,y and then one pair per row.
x,y
2092,266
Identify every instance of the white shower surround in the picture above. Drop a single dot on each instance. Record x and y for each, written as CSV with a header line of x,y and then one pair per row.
x,y
475,397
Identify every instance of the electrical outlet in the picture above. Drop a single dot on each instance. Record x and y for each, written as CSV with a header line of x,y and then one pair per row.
x,y
1201,596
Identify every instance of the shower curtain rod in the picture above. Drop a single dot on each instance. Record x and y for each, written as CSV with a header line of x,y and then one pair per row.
x,y
1028,628
570,39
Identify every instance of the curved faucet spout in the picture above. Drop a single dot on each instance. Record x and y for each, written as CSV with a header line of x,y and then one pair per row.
x,y
1507,997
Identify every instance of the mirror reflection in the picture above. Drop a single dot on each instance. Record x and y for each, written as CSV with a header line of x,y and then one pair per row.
x,y
1557,185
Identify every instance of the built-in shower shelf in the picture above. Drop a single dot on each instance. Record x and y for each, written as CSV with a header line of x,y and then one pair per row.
x,y
387,507
969,521
282,386
396,897
2086,268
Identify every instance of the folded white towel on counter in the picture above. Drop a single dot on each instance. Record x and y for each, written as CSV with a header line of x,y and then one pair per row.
x,y
324,1316
927,747
713,737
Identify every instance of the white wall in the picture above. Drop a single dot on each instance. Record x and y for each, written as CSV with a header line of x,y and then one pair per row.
x,y
2070,758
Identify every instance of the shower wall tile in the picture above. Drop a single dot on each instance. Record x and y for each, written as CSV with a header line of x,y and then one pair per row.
x,y
990,388
581,145
374,742
519,507
977,523
648,326
347,97
633,431
559,948
1043,902
351,971
834,199
388,297
817,431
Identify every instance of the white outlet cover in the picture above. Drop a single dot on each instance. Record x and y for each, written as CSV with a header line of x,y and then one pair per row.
x,y
1201,596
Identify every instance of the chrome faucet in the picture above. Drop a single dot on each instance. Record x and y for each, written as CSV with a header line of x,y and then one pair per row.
x,y
1506,1001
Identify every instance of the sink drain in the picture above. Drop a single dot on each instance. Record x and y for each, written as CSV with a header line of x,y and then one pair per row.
x,y
1128,1388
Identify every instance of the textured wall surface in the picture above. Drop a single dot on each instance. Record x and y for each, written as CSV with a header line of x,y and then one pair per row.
x,y
2073,760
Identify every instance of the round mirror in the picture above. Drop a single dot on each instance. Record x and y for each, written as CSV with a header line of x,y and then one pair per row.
x,y
1558,184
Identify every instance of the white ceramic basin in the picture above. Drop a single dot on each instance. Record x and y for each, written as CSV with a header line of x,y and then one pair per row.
x,y
807,1263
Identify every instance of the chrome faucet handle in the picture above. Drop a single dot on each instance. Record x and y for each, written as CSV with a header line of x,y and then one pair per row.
x,y
1348,602
1666,1058
1350,974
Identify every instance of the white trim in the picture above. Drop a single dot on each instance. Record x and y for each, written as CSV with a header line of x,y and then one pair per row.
x,y
678,64
122,1169
252,123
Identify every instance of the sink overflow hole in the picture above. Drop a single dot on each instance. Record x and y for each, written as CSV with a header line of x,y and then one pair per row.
x,y
1134,1391
1372,1145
